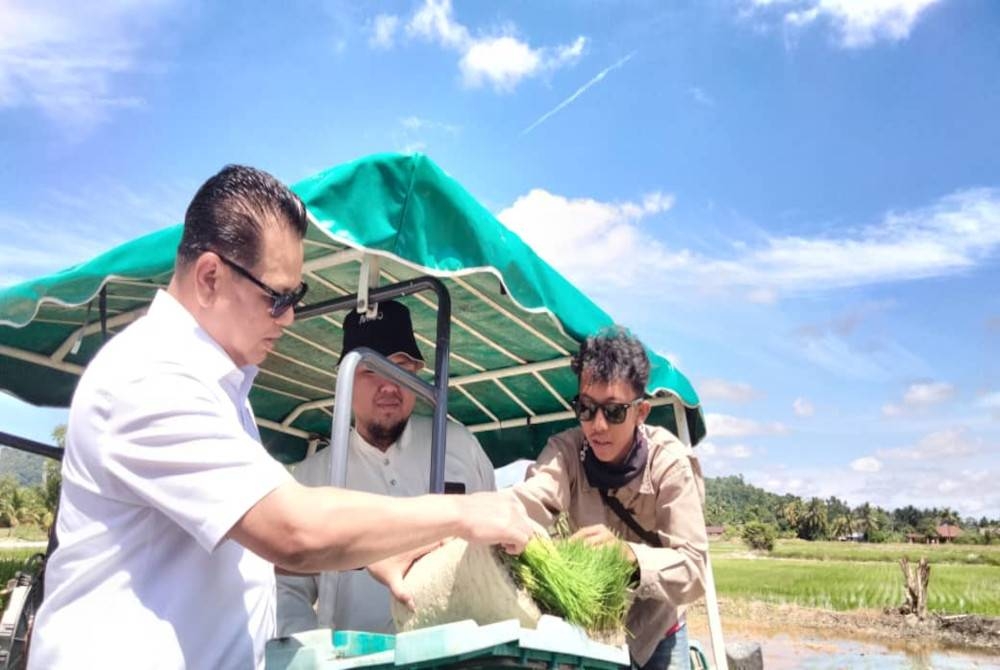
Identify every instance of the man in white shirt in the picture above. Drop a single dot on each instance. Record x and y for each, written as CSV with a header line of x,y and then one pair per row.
x,y
389,453
172,515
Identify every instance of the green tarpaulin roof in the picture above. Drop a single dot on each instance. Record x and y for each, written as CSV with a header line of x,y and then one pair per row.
x,y
515,320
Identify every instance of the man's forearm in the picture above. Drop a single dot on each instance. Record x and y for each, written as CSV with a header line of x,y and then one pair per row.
x,y
312,529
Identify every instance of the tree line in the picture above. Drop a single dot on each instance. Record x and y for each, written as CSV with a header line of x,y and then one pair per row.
x,y
730,501
29,487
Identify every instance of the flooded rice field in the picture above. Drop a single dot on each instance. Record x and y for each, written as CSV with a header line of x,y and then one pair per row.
x,y
795,637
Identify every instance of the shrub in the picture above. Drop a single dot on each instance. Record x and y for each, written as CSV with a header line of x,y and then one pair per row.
x,y
759,535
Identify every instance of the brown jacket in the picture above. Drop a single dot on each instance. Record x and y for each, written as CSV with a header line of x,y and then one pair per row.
x,y
666,498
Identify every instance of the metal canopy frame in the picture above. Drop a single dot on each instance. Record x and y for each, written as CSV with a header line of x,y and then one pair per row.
x,y
435,393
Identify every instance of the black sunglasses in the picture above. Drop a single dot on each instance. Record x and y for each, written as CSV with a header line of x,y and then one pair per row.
x,y
614,412
280,302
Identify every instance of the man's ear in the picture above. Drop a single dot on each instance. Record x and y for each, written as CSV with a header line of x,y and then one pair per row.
x,y
644,409
207,275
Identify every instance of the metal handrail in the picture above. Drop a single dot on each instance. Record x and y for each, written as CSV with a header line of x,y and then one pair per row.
x,y
436,393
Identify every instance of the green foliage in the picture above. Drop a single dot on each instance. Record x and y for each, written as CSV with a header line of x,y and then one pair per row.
x,y
587,586
730,501
813,523
25,468
759,535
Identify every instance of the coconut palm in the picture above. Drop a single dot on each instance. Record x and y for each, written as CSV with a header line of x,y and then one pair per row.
x,y
813,522
868,519
843,526
949,517
792,512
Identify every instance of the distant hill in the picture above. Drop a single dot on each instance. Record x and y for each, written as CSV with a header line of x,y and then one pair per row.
x,y
24,467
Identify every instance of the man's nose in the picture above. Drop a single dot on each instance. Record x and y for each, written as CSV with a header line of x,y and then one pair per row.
x,y
600,423
387,384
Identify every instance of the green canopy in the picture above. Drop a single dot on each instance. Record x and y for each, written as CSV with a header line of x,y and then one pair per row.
x,y
375,221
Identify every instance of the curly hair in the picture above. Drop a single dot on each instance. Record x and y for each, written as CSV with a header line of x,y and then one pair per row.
x,y
613,354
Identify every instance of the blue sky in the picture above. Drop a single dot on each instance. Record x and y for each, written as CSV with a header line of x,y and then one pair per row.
x,y
798,201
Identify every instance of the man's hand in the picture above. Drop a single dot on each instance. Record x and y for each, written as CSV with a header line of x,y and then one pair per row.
x,y
600,535
496,517
392,571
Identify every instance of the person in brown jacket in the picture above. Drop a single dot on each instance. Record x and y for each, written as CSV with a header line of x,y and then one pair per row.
x,y
623,482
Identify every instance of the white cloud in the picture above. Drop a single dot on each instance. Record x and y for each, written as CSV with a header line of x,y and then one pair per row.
x,y
866,464
953,235
920,396
930,393
588,239
383,31
857,23
738,451
891,410
417,133
701,97
501,60
720,389
69,60
416,123
434,22
938,446
938,484
803,407
990,401
724,425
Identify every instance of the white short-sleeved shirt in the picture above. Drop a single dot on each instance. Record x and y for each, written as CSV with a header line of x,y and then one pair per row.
x,y
162,458
353,600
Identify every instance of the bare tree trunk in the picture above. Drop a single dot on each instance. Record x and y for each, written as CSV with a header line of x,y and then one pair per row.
x,y
917,578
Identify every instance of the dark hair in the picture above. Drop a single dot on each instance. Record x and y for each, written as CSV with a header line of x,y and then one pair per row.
x,y
613,354
230,210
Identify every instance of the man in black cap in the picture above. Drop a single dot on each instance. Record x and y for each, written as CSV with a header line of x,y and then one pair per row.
x,y
389,453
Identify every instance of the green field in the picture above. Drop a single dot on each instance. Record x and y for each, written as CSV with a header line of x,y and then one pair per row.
x,y
858,551
844,576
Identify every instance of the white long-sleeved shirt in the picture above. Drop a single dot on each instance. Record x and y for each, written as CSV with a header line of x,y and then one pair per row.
x,y
353,600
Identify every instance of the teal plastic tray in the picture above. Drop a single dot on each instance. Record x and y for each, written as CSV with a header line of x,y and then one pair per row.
x,y
463,644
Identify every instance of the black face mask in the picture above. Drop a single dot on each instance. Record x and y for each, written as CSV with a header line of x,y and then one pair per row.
x,y
603,475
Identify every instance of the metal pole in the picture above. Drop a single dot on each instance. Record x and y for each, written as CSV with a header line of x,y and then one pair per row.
x,y
341,426
32,447
711,600
441,354
439,400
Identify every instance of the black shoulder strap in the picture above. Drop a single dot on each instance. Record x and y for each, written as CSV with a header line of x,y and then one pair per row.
x,y
649,537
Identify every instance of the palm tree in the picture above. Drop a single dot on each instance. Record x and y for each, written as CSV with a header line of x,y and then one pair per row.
x,y
792,512
813,522
949,517
843,526
868,519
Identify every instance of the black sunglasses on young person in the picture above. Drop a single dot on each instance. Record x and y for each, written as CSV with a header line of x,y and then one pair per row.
x,y
280,301
614,412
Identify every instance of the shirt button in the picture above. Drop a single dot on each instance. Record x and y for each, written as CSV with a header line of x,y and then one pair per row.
x,y
386,462
392,481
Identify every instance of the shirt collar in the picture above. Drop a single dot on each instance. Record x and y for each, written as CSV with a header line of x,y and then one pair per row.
x,y
210,358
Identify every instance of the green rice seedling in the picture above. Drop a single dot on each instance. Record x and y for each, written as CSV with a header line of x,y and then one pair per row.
x,y
587,586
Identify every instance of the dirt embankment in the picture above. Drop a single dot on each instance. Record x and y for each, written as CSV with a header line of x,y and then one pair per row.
x,y
753,619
